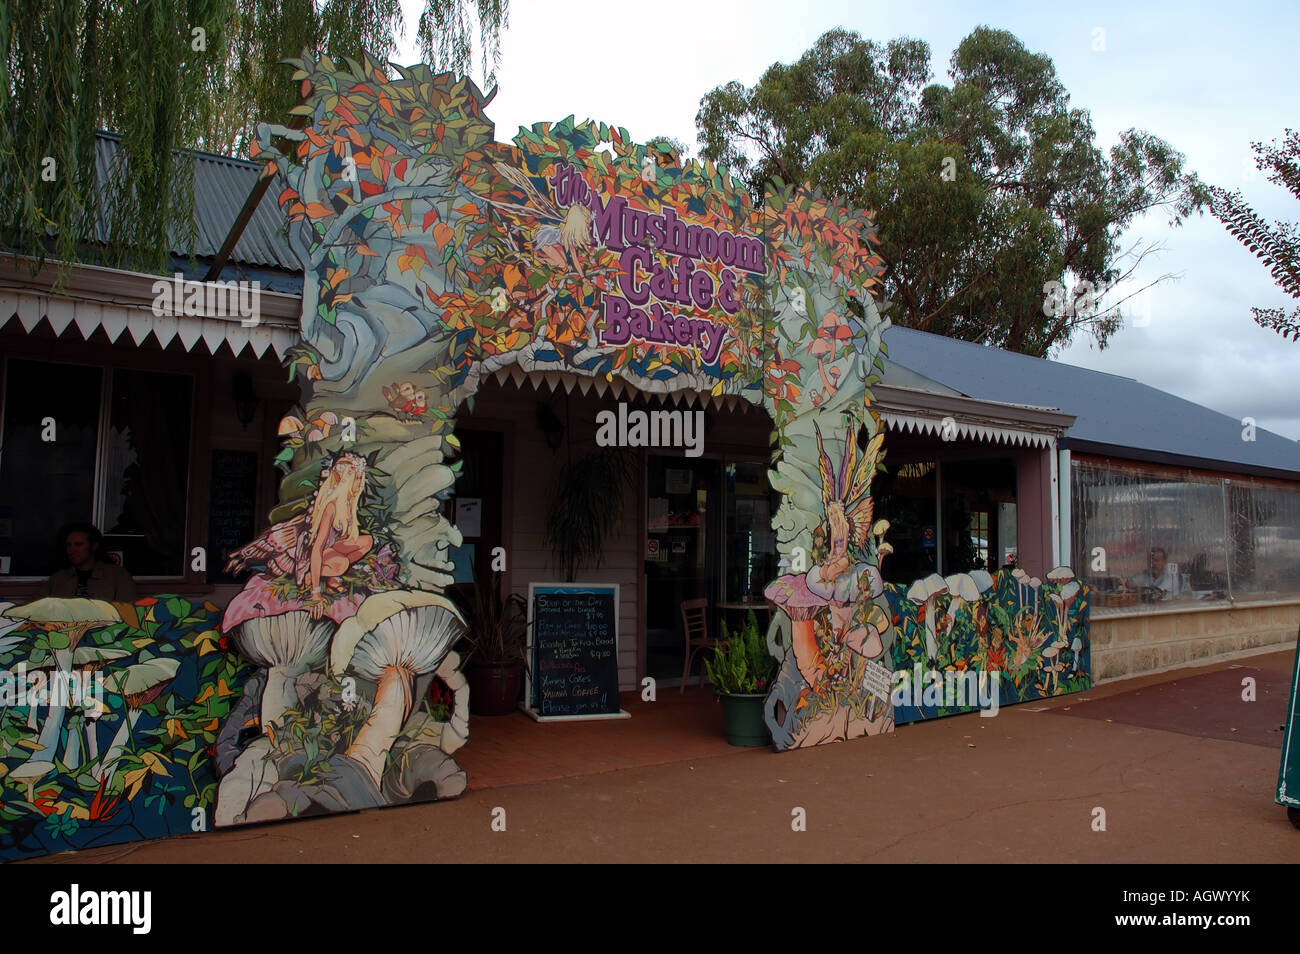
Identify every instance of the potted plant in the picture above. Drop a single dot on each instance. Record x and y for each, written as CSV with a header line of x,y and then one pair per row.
x,y
497,650
741,672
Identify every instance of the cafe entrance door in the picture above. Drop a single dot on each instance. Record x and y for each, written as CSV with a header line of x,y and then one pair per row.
x,y
683,532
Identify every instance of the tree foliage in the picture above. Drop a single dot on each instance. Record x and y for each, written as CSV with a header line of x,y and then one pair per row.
x,y
984,190
1276,245
170,75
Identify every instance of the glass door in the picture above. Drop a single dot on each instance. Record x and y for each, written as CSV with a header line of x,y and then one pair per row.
x,y
683,526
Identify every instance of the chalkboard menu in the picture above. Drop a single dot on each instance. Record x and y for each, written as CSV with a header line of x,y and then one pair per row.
x,y
574,649
232,508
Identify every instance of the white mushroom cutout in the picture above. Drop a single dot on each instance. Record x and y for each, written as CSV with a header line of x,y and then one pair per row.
x,y
963,589
393,638
1022,580
288,645
138,685
1060,575
69,619
926,593
1063,600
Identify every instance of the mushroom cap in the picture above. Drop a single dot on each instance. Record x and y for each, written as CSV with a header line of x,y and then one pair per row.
x,y
791,593
85,656
922,590
1035,582
289,425
1077,644
137,680
960,585
1060,574
408,628
1051,651
1019,575
54,609
289,640
983,580
1070,591
31,771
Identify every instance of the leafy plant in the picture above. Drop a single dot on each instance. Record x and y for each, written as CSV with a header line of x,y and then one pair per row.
x,y
741,663
585,508
497,626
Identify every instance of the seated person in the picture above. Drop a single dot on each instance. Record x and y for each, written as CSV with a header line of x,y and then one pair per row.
x,y
1159,575
88,576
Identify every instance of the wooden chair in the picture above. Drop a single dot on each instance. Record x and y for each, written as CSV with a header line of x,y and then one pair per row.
x,y
695,622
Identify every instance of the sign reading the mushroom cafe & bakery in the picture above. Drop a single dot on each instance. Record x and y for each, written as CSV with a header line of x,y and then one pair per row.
x,y
664,302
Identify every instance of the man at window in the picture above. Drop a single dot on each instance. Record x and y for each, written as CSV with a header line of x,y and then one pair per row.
x,y
1160,574
88,576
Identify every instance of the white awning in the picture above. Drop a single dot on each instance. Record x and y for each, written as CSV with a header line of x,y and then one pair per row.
x,y
969,430
122,302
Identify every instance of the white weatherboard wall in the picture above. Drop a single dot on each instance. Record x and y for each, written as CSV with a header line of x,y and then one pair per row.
x,y
531,469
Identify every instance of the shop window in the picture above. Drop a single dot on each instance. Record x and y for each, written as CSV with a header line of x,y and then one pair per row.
x,y
109,445
1145,537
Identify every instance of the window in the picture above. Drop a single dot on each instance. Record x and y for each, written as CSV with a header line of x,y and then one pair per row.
x,y
110,445
1219,538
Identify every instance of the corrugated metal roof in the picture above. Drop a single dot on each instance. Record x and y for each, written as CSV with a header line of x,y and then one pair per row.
x,y
1111,411
221,185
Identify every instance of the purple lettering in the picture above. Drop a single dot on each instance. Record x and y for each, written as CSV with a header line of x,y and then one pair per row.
x,y
727,248
609,221
717,334
636,292
727,292
708,243
702,290
616,330
683,330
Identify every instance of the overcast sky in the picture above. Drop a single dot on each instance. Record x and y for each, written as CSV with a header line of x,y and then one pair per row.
x,y
1209,78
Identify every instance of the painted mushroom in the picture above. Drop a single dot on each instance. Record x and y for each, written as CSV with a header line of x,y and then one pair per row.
x,y
89,659
1076,647
1022,579
29,773
393,638
1069,593
802,605
1034,584
963,589
70,620
1060,575
138,685
288,645
925,593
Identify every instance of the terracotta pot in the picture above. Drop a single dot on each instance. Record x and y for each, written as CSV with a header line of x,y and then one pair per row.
x,y
494,687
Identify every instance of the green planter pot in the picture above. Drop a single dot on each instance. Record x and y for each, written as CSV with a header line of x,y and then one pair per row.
x,y
743,713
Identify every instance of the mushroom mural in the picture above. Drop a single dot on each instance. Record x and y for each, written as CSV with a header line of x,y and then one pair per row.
x,y
394,638
65,622
138,685
925,594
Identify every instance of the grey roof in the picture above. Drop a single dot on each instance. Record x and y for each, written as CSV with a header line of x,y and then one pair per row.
x,y
1114,414
221,185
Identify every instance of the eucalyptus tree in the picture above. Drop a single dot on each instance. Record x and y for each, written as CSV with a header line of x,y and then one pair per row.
x,y
1276,245
169,76
985,191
